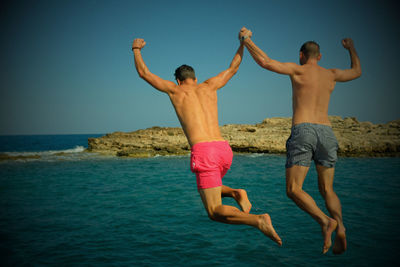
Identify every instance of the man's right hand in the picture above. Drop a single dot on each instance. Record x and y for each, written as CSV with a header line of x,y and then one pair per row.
x,y
244,33
348,43
138,43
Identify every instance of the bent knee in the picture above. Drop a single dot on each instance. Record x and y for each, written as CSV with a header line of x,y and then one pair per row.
x,y
292,191
326,191
212,216
215,217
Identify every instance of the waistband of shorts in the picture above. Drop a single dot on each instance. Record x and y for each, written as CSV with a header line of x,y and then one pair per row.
x,y
208,144
312,125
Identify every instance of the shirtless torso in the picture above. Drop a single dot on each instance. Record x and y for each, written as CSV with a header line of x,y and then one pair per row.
x,y
197,110
312,87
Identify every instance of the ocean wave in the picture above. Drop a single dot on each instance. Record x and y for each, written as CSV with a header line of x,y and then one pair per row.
x,y
171,156
255,155
77,149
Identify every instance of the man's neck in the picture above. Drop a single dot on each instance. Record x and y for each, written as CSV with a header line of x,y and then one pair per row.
x,y
188,81
312,61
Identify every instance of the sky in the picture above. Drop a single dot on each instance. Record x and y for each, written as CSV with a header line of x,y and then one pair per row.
x,y
66,67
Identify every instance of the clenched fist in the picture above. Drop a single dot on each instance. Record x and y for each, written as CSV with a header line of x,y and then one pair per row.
x,y
138,43
347,43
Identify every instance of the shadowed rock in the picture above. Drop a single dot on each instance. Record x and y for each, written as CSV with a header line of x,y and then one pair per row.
x,y
355,139
4,156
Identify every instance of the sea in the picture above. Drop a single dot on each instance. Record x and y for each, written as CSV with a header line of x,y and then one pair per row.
x,y
68,207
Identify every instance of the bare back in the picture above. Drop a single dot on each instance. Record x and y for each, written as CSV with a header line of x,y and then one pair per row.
x,y
197,110
312,87
195,104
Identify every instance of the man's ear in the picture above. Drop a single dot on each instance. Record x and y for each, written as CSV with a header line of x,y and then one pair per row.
x,y
195,80
178,81
301,58
319,57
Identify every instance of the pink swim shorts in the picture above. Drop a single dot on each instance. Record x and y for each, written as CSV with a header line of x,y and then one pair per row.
x,y
210,161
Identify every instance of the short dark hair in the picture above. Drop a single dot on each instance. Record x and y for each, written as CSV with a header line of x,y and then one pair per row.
x,y
310,49
184,72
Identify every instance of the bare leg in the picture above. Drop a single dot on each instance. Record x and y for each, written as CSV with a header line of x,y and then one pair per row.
x,y
239,195
211,198
295,177
332,202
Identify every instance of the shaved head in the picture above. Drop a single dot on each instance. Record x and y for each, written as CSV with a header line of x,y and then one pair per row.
x,y
310,49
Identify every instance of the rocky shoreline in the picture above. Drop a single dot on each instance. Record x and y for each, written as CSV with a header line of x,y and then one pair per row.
x,y
360,139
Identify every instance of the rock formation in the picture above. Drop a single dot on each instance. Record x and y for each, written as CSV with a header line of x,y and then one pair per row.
x,y
4,157
355,139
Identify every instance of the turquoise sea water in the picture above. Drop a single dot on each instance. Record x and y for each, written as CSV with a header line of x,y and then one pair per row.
x,y
79,209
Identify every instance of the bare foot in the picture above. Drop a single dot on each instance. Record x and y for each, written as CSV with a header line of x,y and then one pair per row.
x,y
327,231
266,227
340,244
242,199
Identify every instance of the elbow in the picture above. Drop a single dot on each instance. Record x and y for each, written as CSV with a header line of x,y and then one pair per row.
x,y
235,70
234,67
264,64
359,72
142,74
356,67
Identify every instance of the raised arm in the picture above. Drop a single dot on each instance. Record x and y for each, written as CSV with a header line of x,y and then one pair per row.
x,y
262,58
355,71
144,73
221,79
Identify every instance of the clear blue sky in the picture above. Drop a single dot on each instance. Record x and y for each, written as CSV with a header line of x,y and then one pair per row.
x,y
67,66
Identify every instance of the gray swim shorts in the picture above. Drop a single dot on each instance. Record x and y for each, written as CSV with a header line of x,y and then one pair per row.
x,y
309,141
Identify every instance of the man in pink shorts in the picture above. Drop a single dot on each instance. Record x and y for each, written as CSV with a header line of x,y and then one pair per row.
x,y
196,107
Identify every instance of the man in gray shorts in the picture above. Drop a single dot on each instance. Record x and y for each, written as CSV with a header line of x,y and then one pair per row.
x,y
312,137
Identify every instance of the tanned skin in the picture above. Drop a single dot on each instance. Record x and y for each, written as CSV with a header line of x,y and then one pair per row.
x,y
312,86
195,105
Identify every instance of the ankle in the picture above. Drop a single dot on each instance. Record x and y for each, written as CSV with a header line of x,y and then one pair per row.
x,y
259,221
341,227
236,193
325,221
